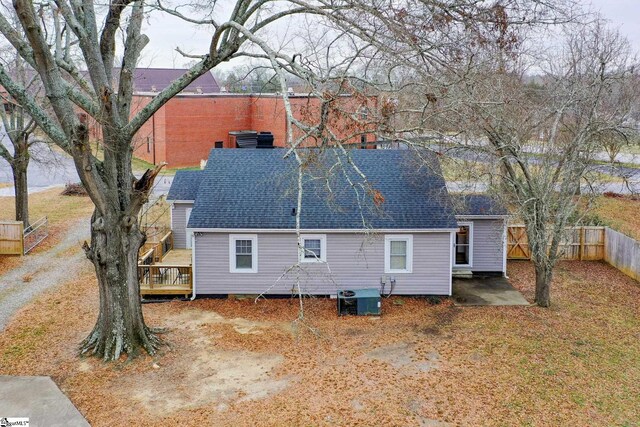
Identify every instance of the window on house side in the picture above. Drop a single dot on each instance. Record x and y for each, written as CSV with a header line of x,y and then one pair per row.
x,y
219,144
313,248
398,254
363,141
243,254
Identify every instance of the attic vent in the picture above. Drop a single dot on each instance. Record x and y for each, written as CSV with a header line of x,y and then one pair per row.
x,y
199,89
153,88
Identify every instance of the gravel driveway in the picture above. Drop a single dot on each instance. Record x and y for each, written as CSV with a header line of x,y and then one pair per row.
x,y
42,271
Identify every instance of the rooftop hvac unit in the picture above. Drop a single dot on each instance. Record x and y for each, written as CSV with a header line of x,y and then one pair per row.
x,y
265,140
244,139
359,302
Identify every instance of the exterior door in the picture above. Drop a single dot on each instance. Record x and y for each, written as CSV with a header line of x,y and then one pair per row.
x,y
186,224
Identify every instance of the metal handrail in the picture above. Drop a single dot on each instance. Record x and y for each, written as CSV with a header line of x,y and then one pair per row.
x,y
39,229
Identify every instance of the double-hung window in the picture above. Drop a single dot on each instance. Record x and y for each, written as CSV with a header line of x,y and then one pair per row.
x,y
313,248
398,253
243,253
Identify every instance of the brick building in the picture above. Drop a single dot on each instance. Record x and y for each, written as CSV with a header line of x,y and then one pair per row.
x,y
200,118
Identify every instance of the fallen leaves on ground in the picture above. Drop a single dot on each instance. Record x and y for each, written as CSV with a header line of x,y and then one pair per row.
x,y
233,362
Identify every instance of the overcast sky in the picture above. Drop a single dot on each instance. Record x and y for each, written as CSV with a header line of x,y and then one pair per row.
x,y
167,32
624,15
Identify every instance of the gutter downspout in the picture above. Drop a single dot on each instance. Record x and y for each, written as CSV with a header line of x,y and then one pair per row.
x,y
505,248
193,266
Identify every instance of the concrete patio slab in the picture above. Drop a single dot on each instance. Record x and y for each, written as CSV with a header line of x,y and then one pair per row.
x,y
40,400
479,291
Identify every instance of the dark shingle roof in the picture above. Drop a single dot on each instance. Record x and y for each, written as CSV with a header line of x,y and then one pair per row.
x,y
477,205
185,185
156,79
243,188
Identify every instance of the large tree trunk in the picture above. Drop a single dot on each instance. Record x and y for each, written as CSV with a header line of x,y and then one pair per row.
x,y
19,169
543,285
120,327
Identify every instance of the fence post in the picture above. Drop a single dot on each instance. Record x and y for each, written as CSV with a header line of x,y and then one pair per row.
x,y
581,247
22,238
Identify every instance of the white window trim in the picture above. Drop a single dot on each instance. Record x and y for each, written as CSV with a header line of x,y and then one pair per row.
x,y
232,253
387,252
323,247
470,264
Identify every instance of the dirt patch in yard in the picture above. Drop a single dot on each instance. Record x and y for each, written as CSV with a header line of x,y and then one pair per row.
x,y
212,376
238,363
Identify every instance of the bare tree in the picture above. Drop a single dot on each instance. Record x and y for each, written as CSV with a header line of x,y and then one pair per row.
x,y
19,128
536,118
486,79
83,36
544,136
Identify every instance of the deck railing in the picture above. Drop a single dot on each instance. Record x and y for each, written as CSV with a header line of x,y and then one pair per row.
x,y
165,279
157,277
160,246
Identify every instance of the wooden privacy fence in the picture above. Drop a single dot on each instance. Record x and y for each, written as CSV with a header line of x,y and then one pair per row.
x,y
14,240
578,243
586,244
11,238
623,253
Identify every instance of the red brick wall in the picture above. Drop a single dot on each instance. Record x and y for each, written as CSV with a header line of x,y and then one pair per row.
x,y
268,115
194,124
187,127
152,131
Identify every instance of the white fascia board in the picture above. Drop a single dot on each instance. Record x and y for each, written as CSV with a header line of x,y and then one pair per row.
x,y
320,231
481,216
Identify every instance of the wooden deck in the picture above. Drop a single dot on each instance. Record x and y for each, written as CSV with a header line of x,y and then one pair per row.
x,y
167,274
181,257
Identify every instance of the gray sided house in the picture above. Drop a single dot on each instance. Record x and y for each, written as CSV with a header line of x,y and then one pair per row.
x,y
238,217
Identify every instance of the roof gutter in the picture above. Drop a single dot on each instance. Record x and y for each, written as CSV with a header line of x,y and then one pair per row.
x,y
482,216
322,230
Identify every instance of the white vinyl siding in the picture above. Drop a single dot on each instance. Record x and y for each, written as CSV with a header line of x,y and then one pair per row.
x,y
243,253
353,261
179,224
488,248
189,234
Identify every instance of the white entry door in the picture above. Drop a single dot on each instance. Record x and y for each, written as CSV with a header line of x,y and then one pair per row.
x,y
186,224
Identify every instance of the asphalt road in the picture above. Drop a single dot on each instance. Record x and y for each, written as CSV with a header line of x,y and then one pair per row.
x,y
50,168
47,168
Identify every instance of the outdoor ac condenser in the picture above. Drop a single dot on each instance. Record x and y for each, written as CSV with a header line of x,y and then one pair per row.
x,y
359,302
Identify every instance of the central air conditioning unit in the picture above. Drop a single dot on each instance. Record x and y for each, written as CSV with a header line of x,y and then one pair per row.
x,y
360,302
